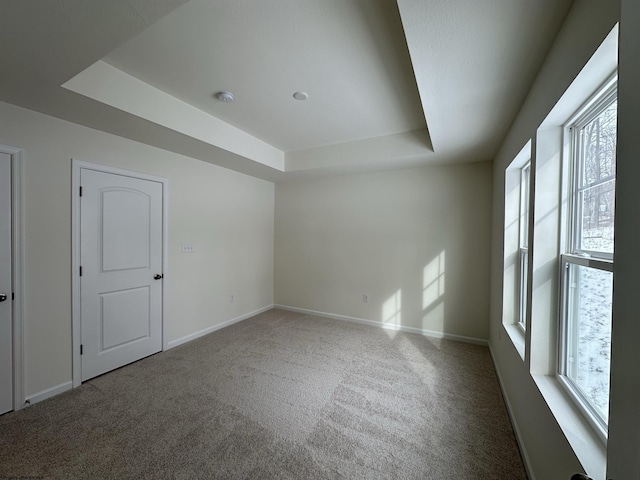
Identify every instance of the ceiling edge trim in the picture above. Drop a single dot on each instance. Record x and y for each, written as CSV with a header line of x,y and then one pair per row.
x,y
107,84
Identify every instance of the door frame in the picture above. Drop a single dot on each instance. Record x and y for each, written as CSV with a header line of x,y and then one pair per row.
x,y
17,280
76,166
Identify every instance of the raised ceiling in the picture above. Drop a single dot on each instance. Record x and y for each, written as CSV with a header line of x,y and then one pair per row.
x,y
391,84
349,56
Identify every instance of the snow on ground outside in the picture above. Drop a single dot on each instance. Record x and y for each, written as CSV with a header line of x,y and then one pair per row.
x,y
594,324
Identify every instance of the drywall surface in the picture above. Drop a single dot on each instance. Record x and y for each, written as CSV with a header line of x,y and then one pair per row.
x,y
227,216
416,242
548,454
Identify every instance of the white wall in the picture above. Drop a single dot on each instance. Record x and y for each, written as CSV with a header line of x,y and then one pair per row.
x,y
228,216
415,241
547,451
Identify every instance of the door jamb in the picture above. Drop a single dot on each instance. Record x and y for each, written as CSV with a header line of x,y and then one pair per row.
x,y
76,166
17,281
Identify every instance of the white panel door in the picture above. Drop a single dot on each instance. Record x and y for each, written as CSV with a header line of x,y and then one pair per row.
x,y
6,336
120,254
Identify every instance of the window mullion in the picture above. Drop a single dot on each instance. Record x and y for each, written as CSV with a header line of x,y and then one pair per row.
x,y
602,181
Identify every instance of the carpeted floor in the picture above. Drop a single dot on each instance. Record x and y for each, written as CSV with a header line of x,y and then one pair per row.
x,y
281,395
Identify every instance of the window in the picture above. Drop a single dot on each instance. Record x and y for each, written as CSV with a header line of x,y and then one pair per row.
x,y
523,243
516,247
587,264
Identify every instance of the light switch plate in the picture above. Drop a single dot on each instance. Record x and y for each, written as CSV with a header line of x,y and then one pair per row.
x,y
188,248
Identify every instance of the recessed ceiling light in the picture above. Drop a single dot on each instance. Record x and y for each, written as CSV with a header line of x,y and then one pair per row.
x,y
301,95
225,97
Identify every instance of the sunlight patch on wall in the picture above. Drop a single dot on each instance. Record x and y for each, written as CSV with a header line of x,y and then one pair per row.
x,y
433,281
434,318
392,311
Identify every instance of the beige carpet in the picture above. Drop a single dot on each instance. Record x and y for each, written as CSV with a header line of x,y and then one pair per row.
x,y
281,395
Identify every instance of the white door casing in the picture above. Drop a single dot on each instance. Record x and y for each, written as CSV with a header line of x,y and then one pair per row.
x,y
6,276
121,250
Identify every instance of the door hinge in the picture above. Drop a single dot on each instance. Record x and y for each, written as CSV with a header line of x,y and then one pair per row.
x,y
80,349
80,270
80,191
13,296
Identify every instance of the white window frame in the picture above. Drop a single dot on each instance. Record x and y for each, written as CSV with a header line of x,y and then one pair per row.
x,y
574,255
513,237
600,101
523,244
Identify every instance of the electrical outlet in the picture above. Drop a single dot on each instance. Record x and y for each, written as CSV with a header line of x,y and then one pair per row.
x,y
232,298
365,298
188,248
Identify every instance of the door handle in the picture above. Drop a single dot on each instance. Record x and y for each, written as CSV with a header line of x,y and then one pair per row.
x,y
157,276
3,297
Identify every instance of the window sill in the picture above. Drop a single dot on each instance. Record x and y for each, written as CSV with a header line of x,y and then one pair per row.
x,y
516,334
584,441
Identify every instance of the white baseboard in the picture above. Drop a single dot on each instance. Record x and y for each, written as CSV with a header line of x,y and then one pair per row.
x,y
516,429
48,393
63,387
388,326
213,328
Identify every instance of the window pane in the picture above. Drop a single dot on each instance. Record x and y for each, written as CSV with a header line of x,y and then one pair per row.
x,y
597,217
596,189
599,146
524,267
588,342
525,181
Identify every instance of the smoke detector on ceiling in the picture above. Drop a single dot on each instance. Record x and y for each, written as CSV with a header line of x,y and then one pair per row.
x,y
225,97
301,95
